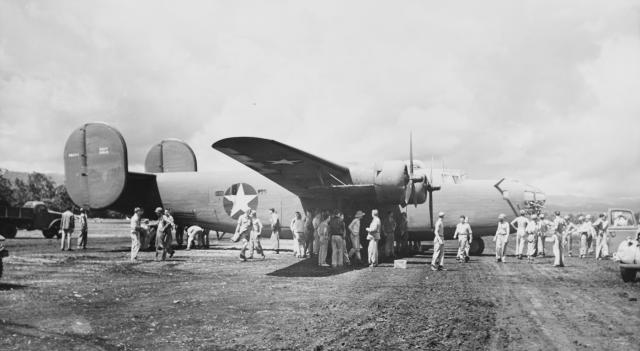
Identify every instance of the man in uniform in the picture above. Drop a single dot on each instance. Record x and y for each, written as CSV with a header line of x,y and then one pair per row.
x,y
463,234
308,233
354,230
501,238
163,235
275,230
373,236
192,233
388,229
337,232
602,245
533,232
545,225
520,225
569,230
297,229
437,262
67,224
136,228
84,227
244,227
255,235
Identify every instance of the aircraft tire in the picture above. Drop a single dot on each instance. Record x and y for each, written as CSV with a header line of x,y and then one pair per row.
x,y
51,232
8,230
477,247
628,275
179,238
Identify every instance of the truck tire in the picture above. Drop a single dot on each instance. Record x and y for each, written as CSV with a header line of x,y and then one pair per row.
x,y
628,275
8,230
51,232
1,268
477,247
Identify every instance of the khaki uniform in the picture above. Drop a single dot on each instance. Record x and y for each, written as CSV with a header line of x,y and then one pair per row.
x,y
463,233
373,237
501,238
438,245
323,242
135,236
84,228
354,230
67,224
521,233
255,238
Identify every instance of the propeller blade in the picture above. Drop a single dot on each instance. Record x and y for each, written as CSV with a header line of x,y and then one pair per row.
x,y
431,208
411,154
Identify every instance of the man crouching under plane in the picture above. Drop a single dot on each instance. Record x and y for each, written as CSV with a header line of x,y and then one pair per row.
x,y
98,177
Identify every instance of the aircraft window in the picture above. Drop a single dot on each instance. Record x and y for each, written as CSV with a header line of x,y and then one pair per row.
x,y
262,191
219,193
621,218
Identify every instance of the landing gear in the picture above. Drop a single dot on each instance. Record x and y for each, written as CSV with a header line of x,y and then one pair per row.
x,y
179,235
477,247
628,275
8,230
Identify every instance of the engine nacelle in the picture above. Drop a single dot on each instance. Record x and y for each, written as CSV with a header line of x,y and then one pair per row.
x,y
390,182
419,194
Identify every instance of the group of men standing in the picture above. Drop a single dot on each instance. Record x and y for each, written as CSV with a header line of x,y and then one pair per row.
x,y
67,227
164,233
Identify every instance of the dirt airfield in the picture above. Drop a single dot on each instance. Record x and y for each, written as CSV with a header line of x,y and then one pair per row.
x,y
209,300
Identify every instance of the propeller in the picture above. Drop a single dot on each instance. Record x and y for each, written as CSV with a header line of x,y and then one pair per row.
x,y
427,186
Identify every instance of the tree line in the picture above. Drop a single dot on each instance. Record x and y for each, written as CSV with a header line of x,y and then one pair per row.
x,y
37,187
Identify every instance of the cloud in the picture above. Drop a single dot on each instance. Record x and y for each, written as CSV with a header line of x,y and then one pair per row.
x,y
541,91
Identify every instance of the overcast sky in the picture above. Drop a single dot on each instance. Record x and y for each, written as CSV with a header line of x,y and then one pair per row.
x,y
548,92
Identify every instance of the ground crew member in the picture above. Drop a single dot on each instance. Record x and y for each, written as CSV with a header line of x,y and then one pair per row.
x,y
463,234
558,237
243,229
169,231
373,236
316,222
569,230
275,230
323,239
388,229
403,235
192,233
255,235
162,234
533,231
354,230
308,234
544,227
501,238
520,225
437,261
67,224
297,228
602,244
336,232
586,229
84,228
136,228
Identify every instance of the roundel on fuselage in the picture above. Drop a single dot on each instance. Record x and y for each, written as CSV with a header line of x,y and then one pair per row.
x,y
239,197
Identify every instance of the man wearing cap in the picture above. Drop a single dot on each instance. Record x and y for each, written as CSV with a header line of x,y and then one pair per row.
x,y
84,227
437,261
354,231
602,245
136,228
275,230
520,225
533,231
243,229
67,224
586,231
501,238
373,236
192,233
463,233
162,234
569,230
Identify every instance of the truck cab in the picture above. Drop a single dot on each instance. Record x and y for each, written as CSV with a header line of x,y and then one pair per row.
x,y
623,237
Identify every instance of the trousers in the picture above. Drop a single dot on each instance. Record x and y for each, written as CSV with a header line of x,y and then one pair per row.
x,y
501,246
584,244
337,251
275,240
438,254
520,243
558,259
82,239
323,248
602,247
135,245
463,246
373,252
66,238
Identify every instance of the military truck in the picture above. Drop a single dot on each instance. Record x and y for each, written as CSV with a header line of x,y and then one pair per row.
x,y
3,253
34,215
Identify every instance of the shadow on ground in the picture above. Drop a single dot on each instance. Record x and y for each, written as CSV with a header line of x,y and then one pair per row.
x,y
309,268
9,286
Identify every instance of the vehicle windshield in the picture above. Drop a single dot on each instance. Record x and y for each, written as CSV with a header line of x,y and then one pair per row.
x,y
620,218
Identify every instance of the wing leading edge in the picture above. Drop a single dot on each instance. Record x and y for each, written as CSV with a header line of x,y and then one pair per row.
x,y
295,170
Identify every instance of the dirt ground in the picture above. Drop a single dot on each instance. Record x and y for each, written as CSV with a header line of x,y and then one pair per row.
x,y
209,300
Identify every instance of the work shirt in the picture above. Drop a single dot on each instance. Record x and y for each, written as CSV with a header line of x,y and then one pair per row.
x,y
67,221
354,227
257,226
135,223
534,227
522,223
559,224
275,222
374,228
323,230
439,230
316,221
244,224
297,225
503,228
601,225
587,227
193,230
83,222
463,229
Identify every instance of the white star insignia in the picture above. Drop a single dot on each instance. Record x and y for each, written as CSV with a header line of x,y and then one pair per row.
x,y
240,200
284,161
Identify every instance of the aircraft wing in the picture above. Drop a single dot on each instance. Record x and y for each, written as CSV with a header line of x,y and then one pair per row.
x,y
297,171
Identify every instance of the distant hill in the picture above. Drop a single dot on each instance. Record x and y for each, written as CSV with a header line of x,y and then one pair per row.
x,y
576,204
24,176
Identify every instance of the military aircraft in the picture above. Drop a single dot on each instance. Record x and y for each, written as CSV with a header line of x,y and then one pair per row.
x,y
286,179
